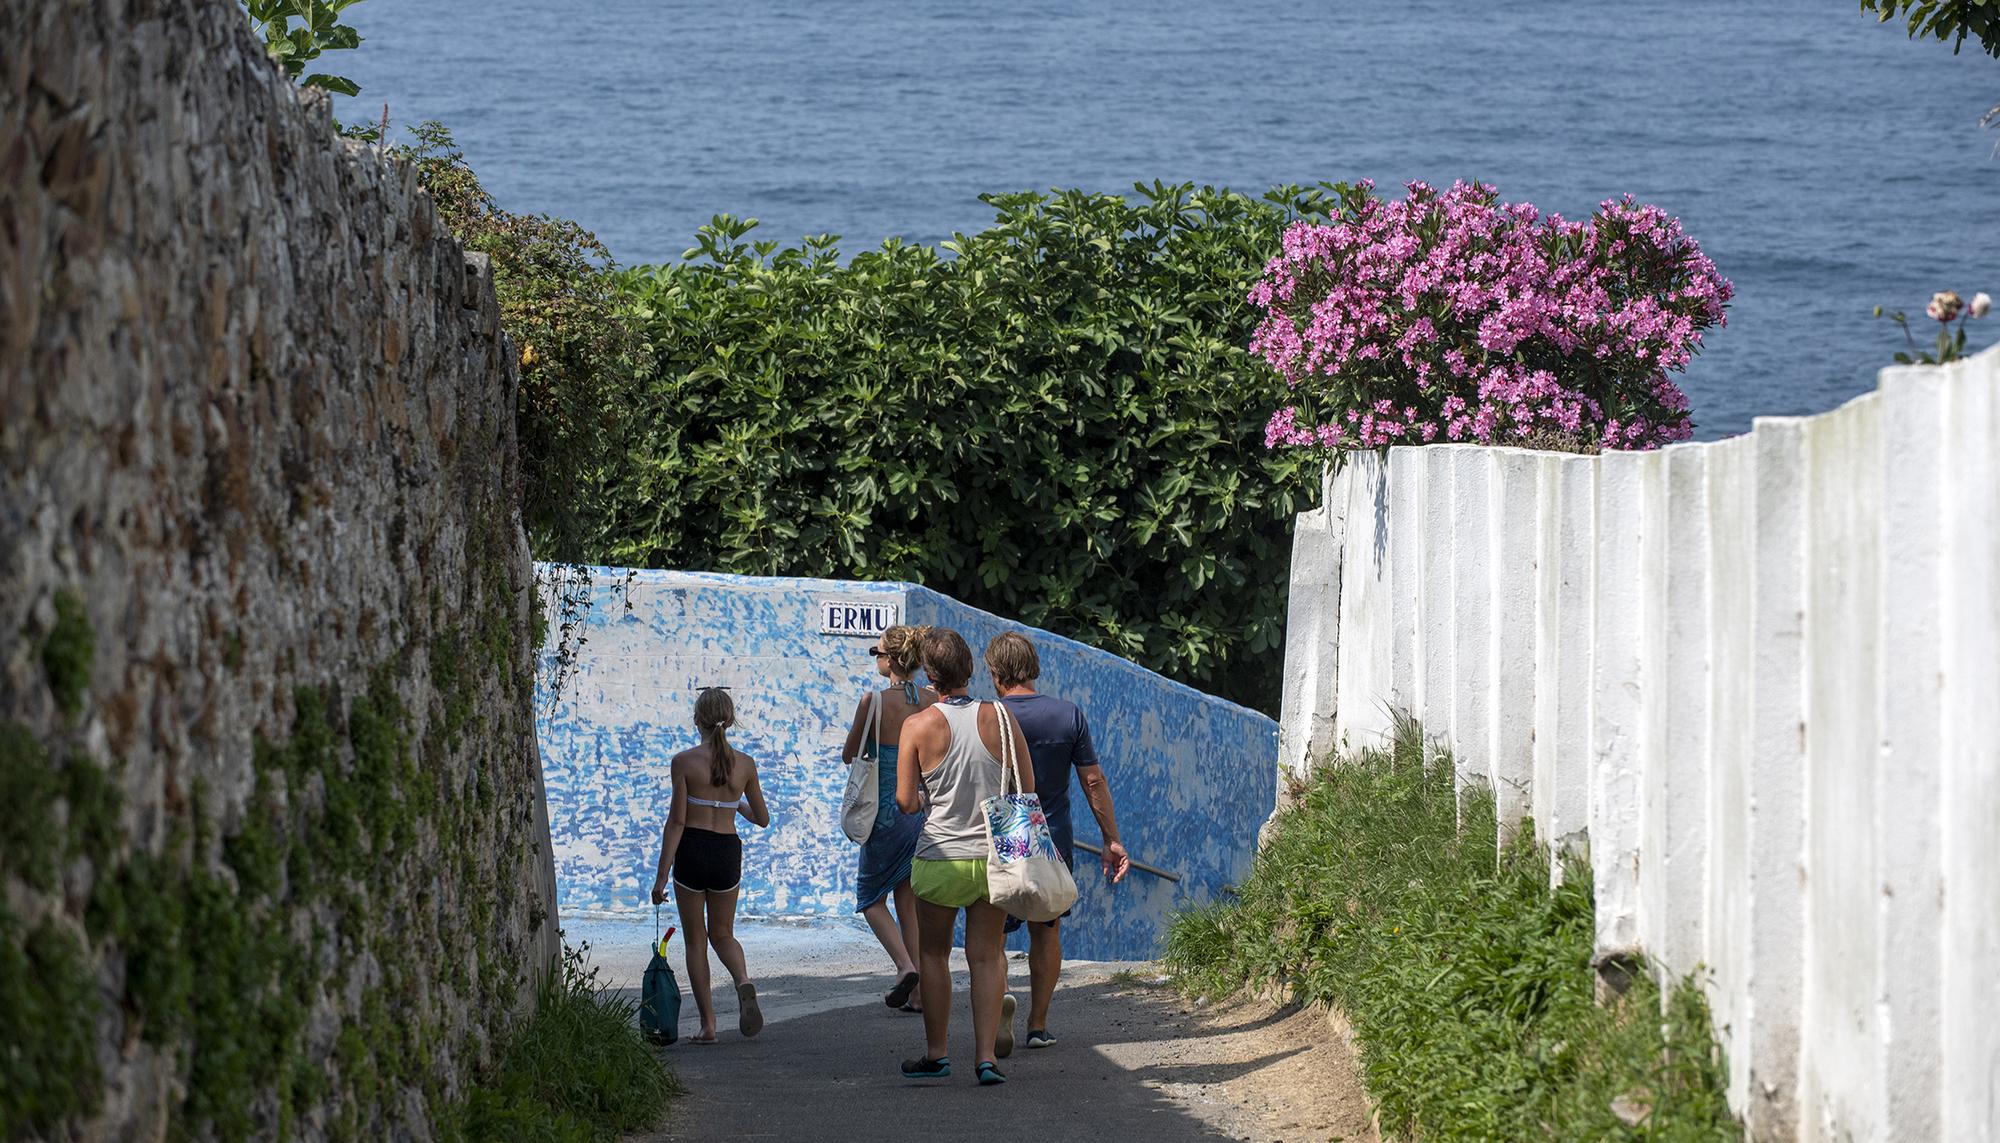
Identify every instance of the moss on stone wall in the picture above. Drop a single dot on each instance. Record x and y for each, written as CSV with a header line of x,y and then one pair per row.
x,y
268,791
48,1013
217,943
28,787
67,653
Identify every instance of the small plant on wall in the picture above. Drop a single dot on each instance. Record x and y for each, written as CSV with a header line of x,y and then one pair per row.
x,y
1453,316
1950,312
296,32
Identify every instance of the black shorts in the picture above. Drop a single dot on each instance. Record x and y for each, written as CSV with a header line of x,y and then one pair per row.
x,y
708,862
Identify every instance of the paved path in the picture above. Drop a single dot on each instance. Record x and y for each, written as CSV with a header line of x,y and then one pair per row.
x,y
825,1066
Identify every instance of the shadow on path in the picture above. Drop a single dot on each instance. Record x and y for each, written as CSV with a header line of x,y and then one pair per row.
x,y
833,1075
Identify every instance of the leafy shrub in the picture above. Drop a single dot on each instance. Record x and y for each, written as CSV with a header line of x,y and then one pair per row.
x,y
560,303
1055,419
1454,316
319,30
1468,980
575,1071
1952,20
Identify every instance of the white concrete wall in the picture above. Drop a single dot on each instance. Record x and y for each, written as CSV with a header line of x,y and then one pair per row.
x,y
1471,558
1910,906
1969,752
1364,690
1516,545
1312,634
1732,538
1617,681
1560,798
1757,682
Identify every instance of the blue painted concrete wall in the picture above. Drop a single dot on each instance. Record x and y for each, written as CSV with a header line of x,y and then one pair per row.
x,y
1192,775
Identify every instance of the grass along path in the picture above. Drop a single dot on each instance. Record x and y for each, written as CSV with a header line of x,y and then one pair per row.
x,y
572,1070
1467,980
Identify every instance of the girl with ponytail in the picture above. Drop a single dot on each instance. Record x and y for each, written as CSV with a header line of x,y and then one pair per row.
x,y
712,784
885,856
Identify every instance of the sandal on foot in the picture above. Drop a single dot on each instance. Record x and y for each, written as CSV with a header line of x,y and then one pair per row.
x,y
749,1017
699,1040
927,1068
911,1008
990,1074
1003,1045
899,996
1040,1038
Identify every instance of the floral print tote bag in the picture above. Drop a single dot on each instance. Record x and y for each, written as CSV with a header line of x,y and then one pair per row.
x,y
1024,873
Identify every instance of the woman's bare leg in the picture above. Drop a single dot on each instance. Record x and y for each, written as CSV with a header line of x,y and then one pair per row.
x,y
986,955
906,915
722,934
694,940
878,918
934,958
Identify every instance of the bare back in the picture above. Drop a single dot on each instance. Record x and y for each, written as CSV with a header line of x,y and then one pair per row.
x,y
896,710
927,739
692,780
935,730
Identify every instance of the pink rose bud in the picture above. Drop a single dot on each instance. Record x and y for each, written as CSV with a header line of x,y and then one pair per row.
x,y
1981,302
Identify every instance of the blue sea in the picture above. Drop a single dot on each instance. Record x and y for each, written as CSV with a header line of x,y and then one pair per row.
x,y
1827,163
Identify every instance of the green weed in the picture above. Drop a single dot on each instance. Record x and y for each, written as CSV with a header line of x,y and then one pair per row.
x,y
67,653
1467,979
575,1071
49,1076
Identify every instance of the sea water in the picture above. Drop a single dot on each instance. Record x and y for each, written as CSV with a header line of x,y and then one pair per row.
x,y
1827,163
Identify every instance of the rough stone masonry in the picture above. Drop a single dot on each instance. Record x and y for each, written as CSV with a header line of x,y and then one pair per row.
x,y
273,846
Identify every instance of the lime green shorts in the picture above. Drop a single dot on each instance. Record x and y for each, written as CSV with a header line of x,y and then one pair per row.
x,y
953,884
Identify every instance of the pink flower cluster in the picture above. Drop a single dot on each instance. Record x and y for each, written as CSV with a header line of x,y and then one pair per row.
x,y
1454,316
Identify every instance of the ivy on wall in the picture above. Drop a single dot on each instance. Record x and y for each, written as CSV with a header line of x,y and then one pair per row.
x,y
561,305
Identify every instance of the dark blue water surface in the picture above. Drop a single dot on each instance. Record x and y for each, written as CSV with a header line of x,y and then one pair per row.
x,y
1827,163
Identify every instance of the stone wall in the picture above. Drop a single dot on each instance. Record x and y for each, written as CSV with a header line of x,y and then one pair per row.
x,y
1189,773
1757,681
273,851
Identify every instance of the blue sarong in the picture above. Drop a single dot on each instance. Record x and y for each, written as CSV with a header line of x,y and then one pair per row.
x,y
886,855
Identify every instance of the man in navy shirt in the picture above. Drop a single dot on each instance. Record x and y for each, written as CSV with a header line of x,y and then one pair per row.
x,y
1059,743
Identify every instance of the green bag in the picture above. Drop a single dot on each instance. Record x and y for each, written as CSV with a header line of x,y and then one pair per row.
x,y
660,992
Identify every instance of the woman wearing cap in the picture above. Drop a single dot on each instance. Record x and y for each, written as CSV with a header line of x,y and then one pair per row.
x,y
950,762
885,856
712,784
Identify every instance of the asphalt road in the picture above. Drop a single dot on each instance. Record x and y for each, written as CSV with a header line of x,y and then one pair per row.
x,y
825,1066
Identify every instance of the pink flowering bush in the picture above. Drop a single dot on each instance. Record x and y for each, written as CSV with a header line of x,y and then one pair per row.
x,y
1453,316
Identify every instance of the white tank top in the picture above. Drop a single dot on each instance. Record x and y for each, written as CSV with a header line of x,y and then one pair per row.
x,y
968,775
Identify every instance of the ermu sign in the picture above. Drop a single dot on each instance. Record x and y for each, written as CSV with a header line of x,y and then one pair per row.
x,y
856,617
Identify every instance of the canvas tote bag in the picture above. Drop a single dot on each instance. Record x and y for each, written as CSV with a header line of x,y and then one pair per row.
x,y
863,797
1024,874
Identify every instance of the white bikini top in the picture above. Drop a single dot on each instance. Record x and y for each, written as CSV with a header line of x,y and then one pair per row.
x,y
694,801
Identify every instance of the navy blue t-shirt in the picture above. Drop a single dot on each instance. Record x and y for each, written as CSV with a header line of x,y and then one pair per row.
x,y
1058,741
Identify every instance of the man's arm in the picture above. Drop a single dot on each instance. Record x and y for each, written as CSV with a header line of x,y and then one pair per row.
x,y
1097,792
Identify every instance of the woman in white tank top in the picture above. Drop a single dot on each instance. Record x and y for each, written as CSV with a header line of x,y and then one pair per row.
x,y
950,761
